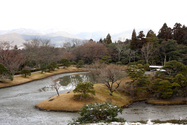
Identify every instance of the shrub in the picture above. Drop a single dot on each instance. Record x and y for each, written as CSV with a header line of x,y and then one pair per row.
x,y
163,87
43,68
119,63
99,112
80,64
105,59
5,73
26,72
141,62
132,63
50,68
73,63
146,67
84,88
65,62
54,64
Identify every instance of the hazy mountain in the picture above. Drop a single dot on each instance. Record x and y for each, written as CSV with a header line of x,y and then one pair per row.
x,y
97,35
25,31
122,36
19,36
94,35
16,38
64,34
20,31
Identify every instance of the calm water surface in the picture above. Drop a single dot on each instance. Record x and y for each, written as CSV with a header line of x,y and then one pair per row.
x,y
17,104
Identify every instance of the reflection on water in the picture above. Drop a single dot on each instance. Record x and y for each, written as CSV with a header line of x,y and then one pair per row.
x,y
67,82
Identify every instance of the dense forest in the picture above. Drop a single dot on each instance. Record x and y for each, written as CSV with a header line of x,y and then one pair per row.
x,y
168,48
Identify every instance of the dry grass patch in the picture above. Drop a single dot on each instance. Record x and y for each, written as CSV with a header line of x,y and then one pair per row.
x,y
168,101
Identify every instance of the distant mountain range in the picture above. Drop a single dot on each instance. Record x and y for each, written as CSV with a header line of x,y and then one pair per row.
x,y
21,35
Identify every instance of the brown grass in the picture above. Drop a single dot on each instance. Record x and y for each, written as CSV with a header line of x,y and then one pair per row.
x,y
172,101
36,76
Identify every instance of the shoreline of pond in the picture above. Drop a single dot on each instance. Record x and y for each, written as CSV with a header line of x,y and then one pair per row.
x,y
42,105
45,75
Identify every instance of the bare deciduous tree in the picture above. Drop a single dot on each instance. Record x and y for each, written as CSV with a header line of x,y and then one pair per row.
x,y
10,57
109,75
41,51
147,51
120,48
56,85
129,53
90,51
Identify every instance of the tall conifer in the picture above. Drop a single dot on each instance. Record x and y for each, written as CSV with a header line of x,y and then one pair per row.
x,y
134,40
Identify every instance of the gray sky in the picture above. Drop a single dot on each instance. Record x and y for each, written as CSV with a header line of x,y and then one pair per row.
x,y
112,16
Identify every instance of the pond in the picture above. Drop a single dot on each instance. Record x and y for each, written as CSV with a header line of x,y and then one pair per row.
x,y
17,104
68,82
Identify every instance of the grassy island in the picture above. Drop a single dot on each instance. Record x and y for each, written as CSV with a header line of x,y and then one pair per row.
x,y
66,102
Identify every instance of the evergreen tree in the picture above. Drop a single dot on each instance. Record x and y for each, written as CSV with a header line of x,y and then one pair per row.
x,y
178,33
15,47
141,35
133,45
141,39
150,33
65,62
108,39
101,41
5,73
162,31
84,89
26,72
168,34
80,64
185,35
105,59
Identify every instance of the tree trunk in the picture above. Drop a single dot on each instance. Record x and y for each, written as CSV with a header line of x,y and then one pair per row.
x,y
164,59
57,91
119,56
111,93
147,61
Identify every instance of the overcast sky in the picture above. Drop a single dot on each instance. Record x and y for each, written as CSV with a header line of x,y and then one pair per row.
x,y
112,16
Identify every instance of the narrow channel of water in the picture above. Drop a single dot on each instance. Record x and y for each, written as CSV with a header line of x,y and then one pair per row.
x,y
17,105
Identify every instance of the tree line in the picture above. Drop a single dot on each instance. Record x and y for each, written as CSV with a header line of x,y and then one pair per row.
x,y
169,44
